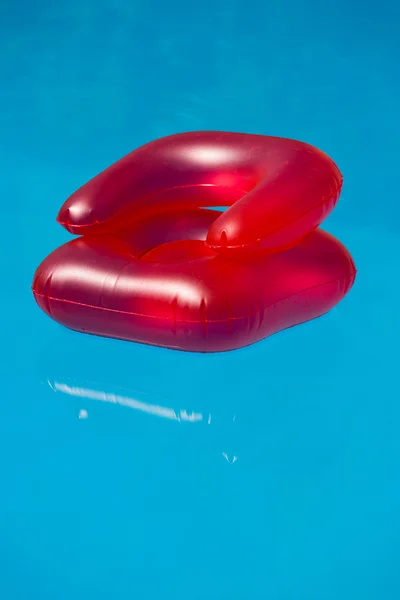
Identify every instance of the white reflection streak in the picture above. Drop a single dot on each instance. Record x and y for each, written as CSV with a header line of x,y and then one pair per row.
x,y
152,409
231,462
211,155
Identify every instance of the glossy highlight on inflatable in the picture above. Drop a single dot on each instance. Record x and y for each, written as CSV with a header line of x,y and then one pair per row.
x,y
152,264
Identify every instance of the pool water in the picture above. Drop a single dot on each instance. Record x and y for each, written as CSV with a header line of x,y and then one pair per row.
x,y
129,471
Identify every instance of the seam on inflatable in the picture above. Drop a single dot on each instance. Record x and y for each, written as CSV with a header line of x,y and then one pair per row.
x,y
243,317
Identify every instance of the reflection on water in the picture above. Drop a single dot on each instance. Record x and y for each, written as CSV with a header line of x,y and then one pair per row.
x,y
151,409
241,407
261,409
83,393
229,460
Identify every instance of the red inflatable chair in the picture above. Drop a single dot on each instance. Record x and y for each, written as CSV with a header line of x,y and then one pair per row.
x,y
152,264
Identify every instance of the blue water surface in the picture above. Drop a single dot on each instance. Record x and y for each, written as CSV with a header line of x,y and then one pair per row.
x,y
129,471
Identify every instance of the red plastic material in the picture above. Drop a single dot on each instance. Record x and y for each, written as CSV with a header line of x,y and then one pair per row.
x,y
154,266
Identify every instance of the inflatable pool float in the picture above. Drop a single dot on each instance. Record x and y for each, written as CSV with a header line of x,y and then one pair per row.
x,y
152,262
